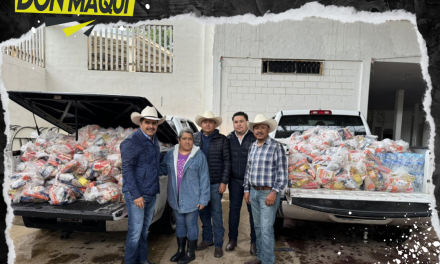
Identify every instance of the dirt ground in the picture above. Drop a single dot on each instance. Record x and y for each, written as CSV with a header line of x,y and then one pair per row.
x,y
297,242
44,246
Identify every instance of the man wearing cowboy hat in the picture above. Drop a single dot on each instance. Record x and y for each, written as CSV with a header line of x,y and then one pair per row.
x,y
215,146
140,164
265,177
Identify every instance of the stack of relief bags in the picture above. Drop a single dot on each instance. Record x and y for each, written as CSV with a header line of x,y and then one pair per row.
x,y
336,159
58,169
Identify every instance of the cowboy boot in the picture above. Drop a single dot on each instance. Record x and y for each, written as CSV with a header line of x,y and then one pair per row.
x,y
181,244
190,255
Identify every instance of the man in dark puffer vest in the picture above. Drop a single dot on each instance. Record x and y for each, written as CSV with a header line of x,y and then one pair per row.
x,y
239,140
215,146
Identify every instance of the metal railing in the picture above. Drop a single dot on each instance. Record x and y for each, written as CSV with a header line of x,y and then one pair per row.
x,y
30,50
146,48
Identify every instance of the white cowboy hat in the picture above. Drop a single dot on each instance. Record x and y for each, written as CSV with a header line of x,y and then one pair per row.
x,y
261,119
148,113
210,116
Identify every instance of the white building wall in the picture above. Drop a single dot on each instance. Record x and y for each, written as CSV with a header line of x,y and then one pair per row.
x,y
18,75
351,44
246,89
178,93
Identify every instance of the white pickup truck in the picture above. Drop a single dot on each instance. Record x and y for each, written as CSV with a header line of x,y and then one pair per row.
x,y
354,207
69,112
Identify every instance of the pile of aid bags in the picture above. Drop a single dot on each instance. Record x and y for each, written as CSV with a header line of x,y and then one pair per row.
x,y
58,169
336,159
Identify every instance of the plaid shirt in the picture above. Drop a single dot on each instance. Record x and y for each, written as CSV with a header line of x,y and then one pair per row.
x,y
266,166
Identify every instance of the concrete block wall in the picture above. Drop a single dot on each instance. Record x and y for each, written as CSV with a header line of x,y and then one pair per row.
x,y
246,89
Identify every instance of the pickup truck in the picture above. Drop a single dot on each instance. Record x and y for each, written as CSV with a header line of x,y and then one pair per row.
x,y
353,207
178,123
69,112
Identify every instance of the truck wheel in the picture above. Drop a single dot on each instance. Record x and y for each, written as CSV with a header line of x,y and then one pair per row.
x,y
278,226
67,235
167,221
392,233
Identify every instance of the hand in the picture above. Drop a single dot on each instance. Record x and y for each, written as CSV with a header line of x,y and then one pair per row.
x,y
139,202
222,188
270,199
247,198
200,206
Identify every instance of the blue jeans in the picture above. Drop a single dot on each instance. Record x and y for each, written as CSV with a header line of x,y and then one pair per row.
x,y
186,224
236,192
213,211
139,220
264,218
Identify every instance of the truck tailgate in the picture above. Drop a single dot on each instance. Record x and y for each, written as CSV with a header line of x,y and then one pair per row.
x,y
78,210
358,204
359,195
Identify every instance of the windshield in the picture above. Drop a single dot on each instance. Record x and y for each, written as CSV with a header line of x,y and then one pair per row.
x,y
171,123
300,123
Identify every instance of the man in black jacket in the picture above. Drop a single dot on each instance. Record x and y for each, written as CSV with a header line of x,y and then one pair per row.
x,y
215,146
239,141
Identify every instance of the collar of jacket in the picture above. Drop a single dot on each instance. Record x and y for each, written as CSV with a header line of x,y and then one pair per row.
x,y
142,138
176,155
232,134
212,135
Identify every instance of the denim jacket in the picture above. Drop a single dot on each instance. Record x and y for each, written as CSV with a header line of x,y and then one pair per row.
x,y
140,165
194,187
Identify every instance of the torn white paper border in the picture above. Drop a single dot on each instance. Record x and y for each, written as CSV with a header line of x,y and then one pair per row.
x,y
342,14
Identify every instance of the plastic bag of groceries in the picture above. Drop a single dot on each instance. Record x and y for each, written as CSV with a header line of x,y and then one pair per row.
x,y
49,171
366,141
115,160
100,179
28,150
302,182
342,181
357,171
375,180
81,164
72,180
301,168
95,153
20,179
119,179
103,193
60,193
324,175
15,194
34,194
400,181
338,160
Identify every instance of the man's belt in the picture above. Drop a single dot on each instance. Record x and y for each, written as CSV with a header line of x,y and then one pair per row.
x,y
261,188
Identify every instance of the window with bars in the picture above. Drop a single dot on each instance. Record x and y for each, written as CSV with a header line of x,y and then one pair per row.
x,y
146,48
292,66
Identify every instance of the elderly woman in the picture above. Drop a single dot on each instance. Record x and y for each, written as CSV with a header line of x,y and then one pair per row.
x,y
188,191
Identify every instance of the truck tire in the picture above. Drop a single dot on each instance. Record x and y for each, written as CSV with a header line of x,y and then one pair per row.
x,y
168,223
278,226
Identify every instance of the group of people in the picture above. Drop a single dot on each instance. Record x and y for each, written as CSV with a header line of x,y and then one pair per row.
x,y
247,161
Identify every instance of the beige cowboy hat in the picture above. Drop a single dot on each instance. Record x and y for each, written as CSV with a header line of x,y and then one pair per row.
x,y
148,113
210,116
261,119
